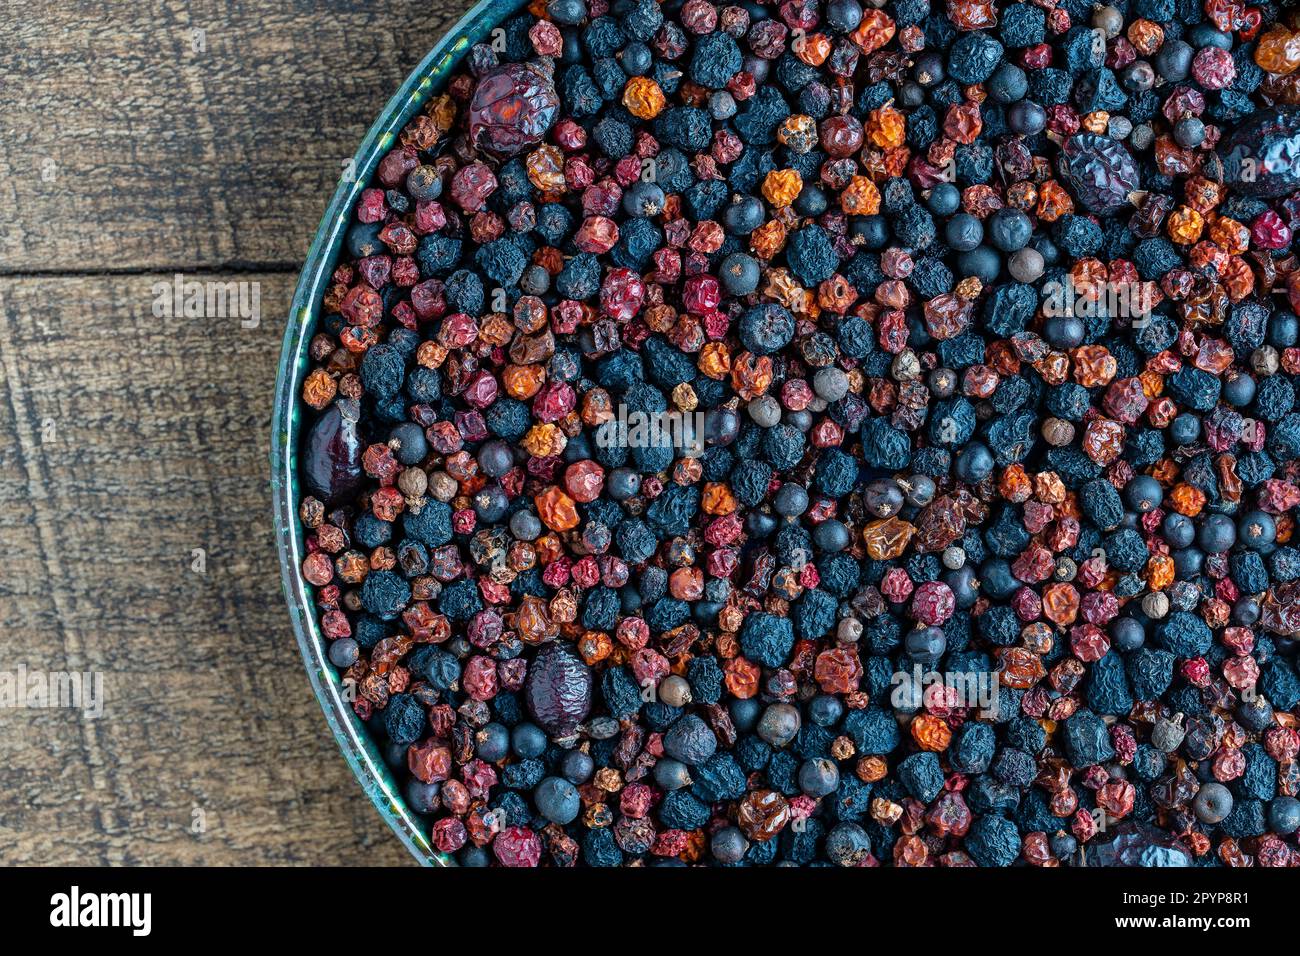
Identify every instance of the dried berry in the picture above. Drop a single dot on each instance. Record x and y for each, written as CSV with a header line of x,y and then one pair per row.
x,y
1099,171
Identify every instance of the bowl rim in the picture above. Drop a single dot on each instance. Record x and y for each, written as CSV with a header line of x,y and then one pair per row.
x,y
360,751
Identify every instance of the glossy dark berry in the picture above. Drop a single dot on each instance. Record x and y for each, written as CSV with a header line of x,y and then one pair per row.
x,y
1026,117
557,799
1143,494
944,199
332,463
964,232
1216,534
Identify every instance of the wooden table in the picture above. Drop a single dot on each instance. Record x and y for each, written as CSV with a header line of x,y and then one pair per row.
x,y
139,141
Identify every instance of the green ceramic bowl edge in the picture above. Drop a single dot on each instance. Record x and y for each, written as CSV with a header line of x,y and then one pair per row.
x,y
358,748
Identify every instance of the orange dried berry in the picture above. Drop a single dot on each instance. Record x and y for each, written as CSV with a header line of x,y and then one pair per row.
x,y
838,670
1061,603
1230,235
1285,528
1171,159
911,39
522,382
1020,668
836,294
1103,440
421,133
545,166
1146,36
812,49
896,160
564,607
1053,201
550,259
557,510
781,186
969,288
751,375
871,769
684,397
544,441
1160,572
442,110
1238,278
597,407
741,678
873,161
687,470
1164,471
643,98
319,388
876,29
718,499
941,152
1187,499
715,360
1023,195
973,14
1054,367
659,318
885,127
594,647
1096,122
980,201
931,733
497,330
1278,51
861,197
1207,255
1093,365
1014,484
430,355
1202,194
887,539
782,287
1185,225
1089,277
768,239
803,302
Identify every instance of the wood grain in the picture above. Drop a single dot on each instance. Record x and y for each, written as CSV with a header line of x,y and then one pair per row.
x,y
130,142
127,441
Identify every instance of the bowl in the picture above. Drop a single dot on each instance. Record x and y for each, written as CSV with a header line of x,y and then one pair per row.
x,y
426,80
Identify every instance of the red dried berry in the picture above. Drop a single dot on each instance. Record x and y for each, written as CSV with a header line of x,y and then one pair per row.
x,y
512,108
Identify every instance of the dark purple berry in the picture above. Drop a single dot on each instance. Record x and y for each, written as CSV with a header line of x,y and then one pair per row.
x,y
332,469
1099,171
558,689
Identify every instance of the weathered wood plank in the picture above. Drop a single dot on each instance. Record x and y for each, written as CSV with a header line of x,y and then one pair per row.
x,y
126,442
130,142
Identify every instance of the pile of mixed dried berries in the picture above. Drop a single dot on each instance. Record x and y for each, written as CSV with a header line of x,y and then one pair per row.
x,y
985,554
